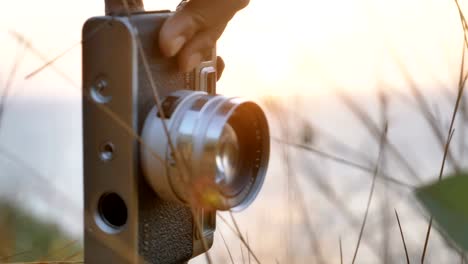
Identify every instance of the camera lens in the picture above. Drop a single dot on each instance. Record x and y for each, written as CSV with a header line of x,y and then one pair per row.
x,y
227,156
219,152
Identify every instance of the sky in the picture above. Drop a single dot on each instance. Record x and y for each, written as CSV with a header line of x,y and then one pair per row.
x,y
271,48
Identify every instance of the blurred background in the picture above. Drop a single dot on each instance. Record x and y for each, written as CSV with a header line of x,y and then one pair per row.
x,y
331,75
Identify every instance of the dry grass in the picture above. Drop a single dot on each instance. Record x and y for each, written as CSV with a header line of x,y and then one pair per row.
x,y
376,241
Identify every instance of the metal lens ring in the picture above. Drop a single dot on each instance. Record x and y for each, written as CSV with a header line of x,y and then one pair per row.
x,y
225,145
236,147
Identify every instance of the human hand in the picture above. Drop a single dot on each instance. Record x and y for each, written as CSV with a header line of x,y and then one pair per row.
x,y
194,29
191,31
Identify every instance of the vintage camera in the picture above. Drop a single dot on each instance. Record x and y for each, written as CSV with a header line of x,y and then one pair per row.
x,y
162,151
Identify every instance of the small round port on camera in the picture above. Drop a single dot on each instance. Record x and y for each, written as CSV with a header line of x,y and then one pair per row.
x,y
112,212
106,151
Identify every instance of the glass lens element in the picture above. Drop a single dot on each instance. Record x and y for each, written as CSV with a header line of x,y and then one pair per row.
x,y
227,156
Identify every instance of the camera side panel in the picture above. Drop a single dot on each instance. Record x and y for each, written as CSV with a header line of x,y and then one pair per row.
x,y
110,164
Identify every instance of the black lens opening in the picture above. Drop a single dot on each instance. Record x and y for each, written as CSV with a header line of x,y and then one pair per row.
x,y
245,124
113,210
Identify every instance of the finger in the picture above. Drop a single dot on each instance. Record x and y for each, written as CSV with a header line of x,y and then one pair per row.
x,y
176,31
195,16
219,67
192,53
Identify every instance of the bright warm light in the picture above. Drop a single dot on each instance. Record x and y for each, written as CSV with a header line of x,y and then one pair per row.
x,y
310,47
271,47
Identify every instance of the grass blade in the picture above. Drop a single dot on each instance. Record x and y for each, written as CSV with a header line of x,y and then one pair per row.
x,y
402,237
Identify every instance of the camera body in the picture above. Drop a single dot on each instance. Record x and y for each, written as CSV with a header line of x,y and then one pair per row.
x,y
162,151
125,220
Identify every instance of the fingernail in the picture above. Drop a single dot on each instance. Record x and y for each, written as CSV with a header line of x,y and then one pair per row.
x,y
192,62
176,45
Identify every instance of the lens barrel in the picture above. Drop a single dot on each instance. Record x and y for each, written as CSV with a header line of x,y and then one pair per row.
x,y
219,152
